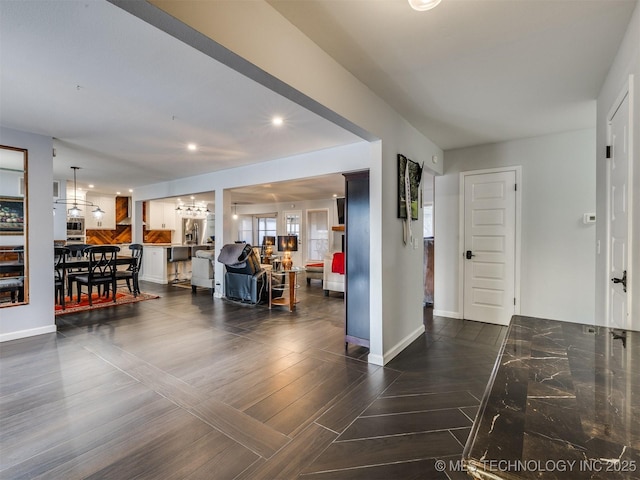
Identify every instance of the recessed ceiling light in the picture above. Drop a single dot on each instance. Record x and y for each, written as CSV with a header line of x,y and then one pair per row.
x,y
91,185
335,195
117,193
277,121
422,5
192,147
131,190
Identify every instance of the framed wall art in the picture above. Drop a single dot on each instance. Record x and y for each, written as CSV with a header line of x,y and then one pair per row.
x,y
11,215
409,176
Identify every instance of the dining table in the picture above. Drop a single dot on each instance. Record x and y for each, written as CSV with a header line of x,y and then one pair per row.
x,y
79,265
14,267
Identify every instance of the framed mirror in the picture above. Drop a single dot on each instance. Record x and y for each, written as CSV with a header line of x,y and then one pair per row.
x,y
14,273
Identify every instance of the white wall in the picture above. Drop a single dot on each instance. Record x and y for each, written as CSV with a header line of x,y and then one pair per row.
x,y
558,250
60,217
37,316
626,63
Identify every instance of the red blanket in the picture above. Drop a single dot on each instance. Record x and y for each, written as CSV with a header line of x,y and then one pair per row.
x,y
337,265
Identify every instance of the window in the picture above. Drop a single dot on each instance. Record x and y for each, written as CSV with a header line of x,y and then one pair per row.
x,y
292,223
317,234
428,220
266,227
245,229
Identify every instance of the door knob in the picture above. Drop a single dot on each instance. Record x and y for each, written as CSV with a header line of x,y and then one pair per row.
x,y
622,280
469,255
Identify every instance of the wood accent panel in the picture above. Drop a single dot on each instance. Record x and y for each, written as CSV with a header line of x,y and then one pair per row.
x,y
7,254
122,234
157,236
122,208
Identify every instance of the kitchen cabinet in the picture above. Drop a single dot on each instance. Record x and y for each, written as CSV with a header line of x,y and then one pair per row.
x,y
162,216
108,220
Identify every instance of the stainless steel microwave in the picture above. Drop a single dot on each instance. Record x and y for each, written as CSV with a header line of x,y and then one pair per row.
x,y
75,226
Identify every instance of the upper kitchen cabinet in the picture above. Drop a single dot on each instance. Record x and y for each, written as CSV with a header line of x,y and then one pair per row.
x,y
108,219
161,215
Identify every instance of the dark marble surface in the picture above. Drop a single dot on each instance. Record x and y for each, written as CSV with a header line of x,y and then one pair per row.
x,y
563,402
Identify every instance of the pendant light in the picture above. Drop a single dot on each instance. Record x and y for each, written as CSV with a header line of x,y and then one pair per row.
x,y
75,211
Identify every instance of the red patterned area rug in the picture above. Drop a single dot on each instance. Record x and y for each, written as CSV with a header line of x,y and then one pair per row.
x,y
122,298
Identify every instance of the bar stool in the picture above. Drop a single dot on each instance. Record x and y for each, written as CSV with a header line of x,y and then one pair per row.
x,y
178,254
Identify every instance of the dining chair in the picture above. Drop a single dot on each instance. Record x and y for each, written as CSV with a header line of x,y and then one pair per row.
x,y
13,285
102,270
130,275
13,282
76,251
59,274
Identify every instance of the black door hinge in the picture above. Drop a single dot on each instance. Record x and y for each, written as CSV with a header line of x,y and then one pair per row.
x,y
608,151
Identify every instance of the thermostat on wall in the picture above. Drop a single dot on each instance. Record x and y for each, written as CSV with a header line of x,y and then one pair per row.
x,y
589,218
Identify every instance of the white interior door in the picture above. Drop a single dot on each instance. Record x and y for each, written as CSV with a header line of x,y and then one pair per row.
x,y
489,246
618,311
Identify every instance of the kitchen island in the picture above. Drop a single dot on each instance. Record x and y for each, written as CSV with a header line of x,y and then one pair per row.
x,y
563,402
156,266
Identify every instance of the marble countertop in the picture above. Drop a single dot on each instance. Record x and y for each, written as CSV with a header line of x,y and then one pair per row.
x,y
563,402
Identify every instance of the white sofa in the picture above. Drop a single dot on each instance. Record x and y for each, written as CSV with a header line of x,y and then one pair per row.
x,y
202,270
331,281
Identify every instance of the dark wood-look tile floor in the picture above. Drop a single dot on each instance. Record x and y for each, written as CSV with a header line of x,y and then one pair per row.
x,y
190,387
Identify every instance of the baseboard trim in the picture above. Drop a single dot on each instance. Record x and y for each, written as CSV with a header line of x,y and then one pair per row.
x,y
444,313
396,349
32,332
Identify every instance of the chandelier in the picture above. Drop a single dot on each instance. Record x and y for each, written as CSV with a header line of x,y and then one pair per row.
x,y
75,211
193,210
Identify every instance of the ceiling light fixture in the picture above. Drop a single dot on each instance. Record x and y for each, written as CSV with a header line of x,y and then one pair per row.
x,y
235,211
194,210
422,5
277,121
75,211
192,147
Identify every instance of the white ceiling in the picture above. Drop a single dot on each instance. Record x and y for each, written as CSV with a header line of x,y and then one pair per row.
x,y
470,72
123,99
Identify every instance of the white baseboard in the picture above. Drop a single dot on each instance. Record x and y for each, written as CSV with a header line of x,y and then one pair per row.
x,y
444,313
32,332
396,349
154,279
375,359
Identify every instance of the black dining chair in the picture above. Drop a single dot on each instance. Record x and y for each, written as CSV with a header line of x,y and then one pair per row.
x,y
76,251
59,274
102,270
13,282
130,275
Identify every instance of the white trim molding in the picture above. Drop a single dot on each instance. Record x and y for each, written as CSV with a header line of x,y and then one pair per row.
x,y
444,313
6,337
396,349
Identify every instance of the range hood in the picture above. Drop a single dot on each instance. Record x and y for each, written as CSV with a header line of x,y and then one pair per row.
x,y
127,219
